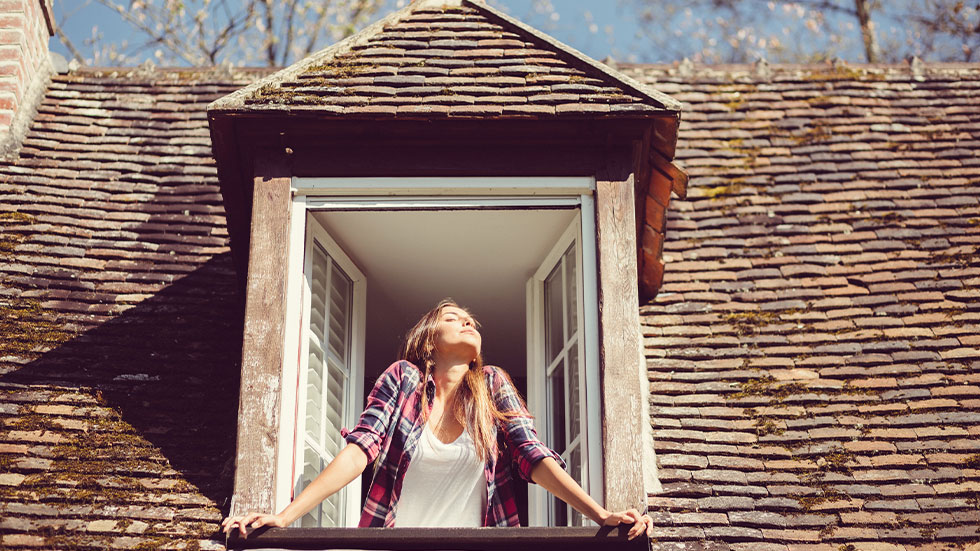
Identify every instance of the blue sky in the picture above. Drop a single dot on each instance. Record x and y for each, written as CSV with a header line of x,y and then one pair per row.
x,y
584,24
600,28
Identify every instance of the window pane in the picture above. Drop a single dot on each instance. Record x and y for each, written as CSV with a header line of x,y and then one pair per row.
x,y
330,511
561,512
571,292
312,465
575,470
574,398
557,410
554,338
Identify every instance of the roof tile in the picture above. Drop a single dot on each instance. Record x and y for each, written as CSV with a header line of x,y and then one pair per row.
x,y
416,47
119,209
850,264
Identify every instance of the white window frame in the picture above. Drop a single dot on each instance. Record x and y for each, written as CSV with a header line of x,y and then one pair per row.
x,y
588,351
311,194
303,231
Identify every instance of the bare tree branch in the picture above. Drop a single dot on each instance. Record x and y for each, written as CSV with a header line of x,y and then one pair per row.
x,y
315,30
290,30
807,30
202,32
165,38
68,44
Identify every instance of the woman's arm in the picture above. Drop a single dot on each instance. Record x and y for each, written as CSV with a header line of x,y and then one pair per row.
x,y
538,464
363,445
550,476
348,465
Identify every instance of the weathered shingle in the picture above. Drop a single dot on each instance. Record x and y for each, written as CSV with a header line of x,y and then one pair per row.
x,y
463,59
119,318
813,355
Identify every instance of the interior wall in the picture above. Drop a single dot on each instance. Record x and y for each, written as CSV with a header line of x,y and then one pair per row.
x,y
413,259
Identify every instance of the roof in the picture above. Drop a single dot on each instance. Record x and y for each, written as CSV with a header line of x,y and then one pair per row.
x,y
813,352
119,318
449,58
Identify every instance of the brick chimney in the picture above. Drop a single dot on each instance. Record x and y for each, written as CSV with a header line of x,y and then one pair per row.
x,y
25,65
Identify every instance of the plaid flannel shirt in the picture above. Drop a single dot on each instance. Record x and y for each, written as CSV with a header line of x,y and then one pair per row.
x,y
389,430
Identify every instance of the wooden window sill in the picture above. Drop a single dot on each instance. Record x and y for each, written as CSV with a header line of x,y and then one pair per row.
x,y
434,539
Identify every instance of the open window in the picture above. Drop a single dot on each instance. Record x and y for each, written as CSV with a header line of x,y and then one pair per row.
x,y
330,370
561,337
364,267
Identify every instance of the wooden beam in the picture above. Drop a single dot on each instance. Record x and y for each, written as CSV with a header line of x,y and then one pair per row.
x,y
446,160
262,347
432,539
623,400
641,184
308,130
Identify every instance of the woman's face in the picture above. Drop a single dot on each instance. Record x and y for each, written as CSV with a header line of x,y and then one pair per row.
x,y
456,334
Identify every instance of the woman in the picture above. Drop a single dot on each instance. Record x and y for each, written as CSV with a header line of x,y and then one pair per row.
x,y
443,430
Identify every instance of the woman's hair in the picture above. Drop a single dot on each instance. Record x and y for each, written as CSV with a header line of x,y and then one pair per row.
x,y
472,405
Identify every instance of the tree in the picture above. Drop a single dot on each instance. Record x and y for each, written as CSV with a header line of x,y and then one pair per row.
x,y
808,30
279,32
947,29
211,32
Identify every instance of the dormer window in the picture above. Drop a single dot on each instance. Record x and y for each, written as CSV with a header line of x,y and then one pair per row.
x,y
501,168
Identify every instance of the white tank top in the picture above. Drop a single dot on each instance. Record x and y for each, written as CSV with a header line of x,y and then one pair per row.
x,y
444,486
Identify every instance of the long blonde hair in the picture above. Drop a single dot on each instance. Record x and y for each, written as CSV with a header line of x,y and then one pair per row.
x,y
472,405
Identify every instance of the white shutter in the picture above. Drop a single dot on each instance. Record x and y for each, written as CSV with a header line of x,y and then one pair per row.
x,y
332,356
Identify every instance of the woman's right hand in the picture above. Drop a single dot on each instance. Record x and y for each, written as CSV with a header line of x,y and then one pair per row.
x,y
348,465
251,521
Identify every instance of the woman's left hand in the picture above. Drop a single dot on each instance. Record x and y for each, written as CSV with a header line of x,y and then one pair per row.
x,y
640,522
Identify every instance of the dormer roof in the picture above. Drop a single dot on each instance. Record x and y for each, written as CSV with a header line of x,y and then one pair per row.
x,y
449,58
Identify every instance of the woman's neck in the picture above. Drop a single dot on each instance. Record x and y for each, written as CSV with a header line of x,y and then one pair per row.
x,y
447,374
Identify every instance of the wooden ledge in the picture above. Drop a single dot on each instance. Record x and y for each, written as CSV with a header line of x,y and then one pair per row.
x,y
434,539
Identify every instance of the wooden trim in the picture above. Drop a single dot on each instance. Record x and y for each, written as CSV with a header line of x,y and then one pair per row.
x,y
624,415
234,188
49,21
263,340
293,343
641,185
305,131
462,539
454,161
664,138
678,178
409,186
